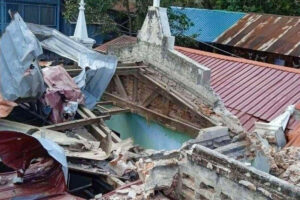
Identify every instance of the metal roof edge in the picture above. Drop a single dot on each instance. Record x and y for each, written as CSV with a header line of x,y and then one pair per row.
x,y
242,60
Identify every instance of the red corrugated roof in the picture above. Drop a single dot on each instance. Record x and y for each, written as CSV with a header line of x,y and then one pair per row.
x,y
253,91
124,39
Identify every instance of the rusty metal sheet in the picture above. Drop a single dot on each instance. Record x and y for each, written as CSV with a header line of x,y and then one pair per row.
x,y
43,176
265,32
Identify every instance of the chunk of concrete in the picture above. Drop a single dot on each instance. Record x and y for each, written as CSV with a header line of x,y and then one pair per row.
x,y
261,162
212,133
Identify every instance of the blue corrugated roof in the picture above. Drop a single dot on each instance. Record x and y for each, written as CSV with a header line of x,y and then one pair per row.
x,y
209,23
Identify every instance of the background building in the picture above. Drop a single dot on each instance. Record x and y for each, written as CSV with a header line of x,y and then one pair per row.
x,y
45,12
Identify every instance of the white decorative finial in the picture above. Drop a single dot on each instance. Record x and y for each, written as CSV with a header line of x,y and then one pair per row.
x,y
81,33
156,3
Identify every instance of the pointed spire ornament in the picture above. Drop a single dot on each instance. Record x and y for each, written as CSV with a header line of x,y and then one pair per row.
x,y
81,34
156,3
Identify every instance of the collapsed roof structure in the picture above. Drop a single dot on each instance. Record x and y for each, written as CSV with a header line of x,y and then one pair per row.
x,y
149,77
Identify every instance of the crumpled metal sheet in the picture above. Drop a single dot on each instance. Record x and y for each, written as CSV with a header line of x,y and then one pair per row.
x,y
40,162
20,74
60,93
97,71
18,149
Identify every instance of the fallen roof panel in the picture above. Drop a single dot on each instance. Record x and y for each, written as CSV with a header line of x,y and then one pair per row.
x,y
39,168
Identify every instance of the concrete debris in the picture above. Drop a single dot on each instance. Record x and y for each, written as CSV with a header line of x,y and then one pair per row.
x,y
201,173
212,137
274,131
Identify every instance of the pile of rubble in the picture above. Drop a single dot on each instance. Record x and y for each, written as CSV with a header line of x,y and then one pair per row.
x,y
64,143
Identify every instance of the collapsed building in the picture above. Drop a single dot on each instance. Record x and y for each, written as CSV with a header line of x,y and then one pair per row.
x,y
148,77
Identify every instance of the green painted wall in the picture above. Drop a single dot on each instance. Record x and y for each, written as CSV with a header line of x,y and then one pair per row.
x,y
149,135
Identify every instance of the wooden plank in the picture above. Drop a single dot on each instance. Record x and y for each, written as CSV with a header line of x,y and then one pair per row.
x,y
178,98
95,130
120,64
105,103
102,126
155,116
105,140
76,123
135,89
120,87
131,67
116,111
150,98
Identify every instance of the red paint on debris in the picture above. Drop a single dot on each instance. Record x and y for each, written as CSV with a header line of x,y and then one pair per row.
x,y
43,176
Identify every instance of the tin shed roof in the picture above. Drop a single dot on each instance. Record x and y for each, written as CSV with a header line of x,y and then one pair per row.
x,y
209,24
265,32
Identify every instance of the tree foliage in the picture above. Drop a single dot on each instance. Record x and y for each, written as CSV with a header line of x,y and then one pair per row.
x,y
96,12
280,7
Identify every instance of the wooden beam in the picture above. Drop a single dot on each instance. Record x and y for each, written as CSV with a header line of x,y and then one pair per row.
x,y
116,111
179,125
104,138
95,130
150,98
102,126
120,87
135,89
129,64
105,103
104,110
178,98
76,123
131,67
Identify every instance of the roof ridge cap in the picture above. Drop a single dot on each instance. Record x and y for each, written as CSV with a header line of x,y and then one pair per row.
x,y
229,58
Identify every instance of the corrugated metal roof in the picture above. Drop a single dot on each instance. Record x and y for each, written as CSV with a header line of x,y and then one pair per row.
x,y
264,32
251,90
124,39
208,23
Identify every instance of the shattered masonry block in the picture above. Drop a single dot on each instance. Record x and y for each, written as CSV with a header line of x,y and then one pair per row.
x,y
213,133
